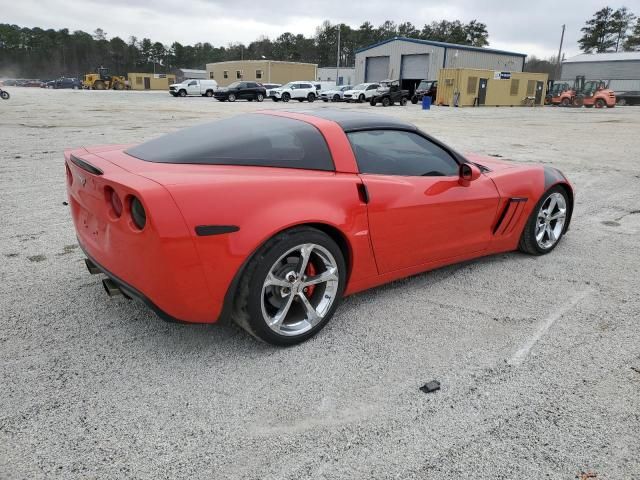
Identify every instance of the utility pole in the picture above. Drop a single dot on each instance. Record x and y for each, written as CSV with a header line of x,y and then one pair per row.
x,y
338,58
560,54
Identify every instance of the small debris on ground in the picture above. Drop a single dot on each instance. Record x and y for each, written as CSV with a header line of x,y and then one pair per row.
x,y
586,475
636,369
431,386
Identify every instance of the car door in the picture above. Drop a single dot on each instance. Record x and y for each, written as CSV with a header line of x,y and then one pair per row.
x,y
193,88
419,210
371,91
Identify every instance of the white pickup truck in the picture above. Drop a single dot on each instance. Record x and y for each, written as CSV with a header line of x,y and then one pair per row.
x,y
194,87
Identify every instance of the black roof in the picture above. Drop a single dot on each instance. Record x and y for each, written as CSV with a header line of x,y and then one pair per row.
x,y
350,120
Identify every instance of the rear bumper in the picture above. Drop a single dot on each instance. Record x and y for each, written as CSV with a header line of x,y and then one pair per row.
x,y
133,292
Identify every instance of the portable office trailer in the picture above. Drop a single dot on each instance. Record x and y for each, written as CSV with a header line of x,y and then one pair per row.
x,y
261,71
467,87
412,60
150,81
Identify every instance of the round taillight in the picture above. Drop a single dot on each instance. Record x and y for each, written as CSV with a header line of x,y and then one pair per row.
x,y
138,215
69,174
114,201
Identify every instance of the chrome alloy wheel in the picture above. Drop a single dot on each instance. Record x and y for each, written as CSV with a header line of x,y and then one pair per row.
x,y
299,289
550,222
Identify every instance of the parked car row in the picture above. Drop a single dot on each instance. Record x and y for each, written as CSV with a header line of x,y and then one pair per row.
x,y
64,82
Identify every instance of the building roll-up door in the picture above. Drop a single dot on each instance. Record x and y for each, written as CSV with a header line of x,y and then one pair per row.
x,y
377,69
415,66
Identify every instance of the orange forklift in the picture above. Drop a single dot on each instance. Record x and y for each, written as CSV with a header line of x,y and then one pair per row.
x,y
555,94
593,93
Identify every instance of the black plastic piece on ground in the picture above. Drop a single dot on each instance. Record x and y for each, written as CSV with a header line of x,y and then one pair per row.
x,y
431,386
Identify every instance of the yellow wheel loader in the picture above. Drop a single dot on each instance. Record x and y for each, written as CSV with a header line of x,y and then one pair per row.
x,y
103,81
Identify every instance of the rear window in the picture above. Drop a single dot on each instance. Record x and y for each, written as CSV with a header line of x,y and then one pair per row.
x,y
249,140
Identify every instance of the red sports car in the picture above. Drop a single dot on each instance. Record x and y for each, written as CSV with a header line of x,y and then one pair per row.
x,y
271,218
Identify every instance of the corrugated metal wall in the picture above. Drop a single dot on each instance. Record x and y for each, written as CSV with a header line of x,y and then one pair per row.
x,y
464,58
485,60
622,76
620,70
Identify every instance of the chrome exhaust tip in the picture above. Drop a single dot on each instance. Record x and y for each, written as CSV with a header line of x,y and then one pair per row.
x,y
111,288
93,270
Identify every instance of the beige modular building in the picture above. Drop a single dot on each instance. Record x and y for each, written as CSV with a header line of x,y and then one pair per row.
x,y
261,71
150,81
468,87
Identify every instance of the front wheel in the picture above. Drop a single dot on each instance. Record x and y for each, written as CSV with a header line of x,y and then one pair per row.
x,y
260,97
291,288
547,222
361,98
372,102
286,97
4,95
336,98
414,99
600,103
386,102
311,98
182,93
403,101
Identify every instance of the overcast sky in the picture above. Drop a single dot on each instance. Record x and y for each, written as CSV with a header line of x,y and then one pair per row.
x,y
527,27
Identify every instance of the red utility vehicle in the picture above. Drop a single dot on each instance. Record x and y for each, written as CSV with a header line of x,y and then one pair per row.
x,y
271,218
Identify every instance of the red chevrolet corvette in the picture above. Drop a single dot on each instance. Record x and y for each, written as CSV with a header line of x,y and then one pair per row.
x,y
271,218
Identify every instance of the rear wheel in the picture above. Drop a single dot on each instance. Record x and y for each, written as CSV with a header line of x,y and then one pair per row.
x,y
232,97
386,102
336,98
118,86
414,99
4,95
361,98
209,93
99,85
403,101
565,102
291,288
372,102
259,97
546,225
622,102
600,103
311,98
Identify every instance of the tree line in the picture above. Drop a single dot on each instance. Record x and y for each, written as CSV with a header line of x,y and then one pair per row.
x,y
611,30
38,53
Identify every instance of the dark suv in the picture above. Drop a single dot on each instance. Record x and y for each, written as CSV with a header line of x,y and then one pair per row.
x,y
64,82
426,88
389,93
241,91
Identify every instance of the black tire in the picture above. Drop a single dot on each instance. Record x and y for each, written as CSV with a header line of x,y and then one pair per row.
x,y
361,98
386,102
325,100
600,103
182,93
259,97
403,101
336,98
275,99
209,93
528,243
286,97
232,97
414,99
248,304
565,102
622,102
372,102
311,98
300,100
4,95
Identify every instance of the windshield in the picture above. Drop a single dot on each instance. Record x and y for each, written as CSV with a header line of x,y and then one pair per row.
x,y
234,85
345,88
424,85
288,85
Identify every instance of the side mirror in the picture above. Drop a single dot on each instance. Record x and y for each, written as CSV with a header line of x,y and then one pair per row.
x,y
468,173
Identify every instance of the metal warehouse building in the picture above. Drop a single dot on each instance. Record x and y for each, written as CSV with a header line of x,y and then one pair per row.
x,y
261,71
620,69
412,60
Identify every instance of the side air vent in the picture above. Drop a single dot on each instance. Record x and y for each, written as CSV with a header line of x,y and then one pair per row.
x,y
509,216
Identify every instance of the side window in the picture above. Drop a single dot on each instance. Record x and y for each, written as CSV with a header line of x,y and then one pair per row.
x,y
191,84
396,152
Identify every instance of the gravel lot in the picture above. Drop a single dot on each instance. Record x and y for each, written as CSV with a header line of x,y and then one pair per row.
x,y
539,358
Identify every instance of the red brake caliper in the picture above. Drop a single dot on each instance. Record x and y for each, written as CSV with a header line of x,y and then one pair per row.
x,y
310,272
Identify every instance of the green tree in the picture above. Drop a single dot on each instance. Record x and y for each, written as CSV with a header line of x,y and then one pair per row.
x,y
606,30
632,43
621,21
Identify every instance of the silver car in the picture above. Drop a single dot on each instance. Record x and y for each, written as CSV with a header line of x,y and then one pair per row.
x,y
335,95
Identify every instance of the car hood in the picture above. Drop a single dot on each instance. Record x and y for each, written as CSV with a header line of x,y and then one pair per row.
x,y
491,163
